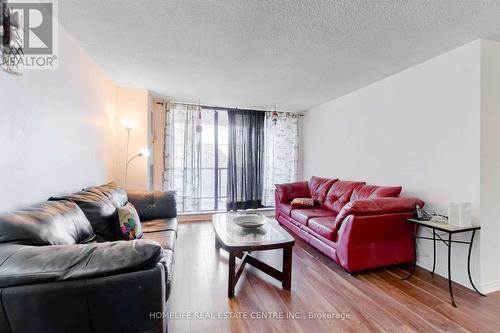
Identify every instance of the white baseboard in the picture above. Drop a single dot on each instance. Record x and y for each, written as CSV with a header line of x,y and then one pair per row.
x,y
489,287
485,288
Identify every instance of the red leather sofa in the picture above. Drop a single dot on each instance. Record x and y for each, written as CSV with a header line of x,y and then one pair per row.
x,y
359,226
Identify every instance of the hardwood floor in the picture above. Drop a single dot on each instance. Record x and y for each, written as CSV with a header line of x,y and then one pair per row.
x,y
376,301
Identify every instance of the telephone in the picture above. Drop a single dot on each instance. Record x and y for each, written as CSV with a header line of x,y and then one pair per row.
x,y
421,214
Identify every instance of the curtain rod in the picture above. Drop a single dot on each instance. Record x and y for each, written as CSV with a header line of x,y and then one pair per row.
x,y
227,108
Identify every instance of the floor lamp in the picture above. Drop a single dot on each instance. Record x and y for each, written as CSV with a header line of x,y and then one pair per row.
x,y
129,125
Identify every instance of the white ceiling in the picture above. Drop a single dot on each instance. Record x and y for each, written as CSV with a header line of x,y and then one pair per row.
x,y
257,54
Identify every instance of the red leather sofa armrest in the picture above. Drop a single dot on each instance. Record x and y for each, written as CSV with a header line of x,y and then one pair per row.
x,y
379,206
368,241
289,191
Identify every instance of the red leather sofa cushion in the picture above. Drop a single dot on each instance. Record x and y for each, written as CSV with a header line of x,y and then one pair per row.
x,y
324,226
377,207
339,194
303,215
318,188
374,191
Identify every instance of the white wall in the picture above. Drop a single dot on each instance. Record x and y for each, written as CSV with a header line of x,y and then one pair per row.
x,y
56,128
490,164
60,131
133,104
420,129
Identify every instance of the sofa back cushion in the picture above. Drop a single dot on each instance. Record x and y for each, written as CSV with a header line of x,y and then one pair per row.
x,y
117,195
99,210
154,205
47,223
340,194
373,192
318,188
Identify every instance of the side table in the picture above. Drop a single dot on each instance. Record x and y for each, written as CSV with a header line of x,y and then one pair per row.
x,y
450,230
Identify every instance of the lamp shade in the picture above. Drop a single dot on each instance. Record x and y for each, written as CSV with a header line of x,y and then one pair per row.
x,y
144,152
128,123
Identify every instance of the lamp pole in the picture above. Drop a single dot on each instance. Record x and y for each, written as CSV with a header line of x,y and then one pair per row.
x,y
129,125
128,141
126,167
126,156
143,152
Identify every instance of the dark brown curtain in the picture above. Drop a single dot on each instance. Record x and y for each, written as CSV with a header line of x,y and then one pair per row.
x,y
245,159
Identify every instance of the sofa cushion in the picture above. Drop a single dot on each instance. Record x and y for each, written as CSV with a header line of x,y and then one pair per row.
x,y
159,225
99,210
319,187
115,194
47,223
303,215
324,226
154,205
165,238
340,194
374,191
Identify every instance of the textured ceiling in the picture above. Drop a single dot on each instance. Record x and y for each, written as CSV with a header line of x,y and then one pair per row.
x,y
249,53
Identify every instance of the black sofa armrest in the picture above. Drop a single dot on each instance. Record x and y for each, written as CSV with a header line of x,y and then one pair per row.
x,y
154,205
128,302
21,265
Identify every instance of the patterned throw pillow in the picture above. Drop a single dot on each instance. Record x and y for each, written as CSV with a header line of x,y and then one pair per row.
x,y
130,225
303,202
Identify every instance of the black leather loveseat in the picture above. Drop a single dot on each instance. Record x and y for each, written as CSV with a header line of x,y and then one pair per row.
x,y
62,268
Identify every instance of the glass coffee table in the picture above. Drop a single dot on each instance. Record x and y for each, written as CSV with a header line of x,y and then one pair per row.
x,y
241,242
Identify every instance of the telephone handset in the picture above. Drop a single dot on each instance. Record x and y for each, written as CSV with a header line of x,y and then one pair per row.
x,y
422,214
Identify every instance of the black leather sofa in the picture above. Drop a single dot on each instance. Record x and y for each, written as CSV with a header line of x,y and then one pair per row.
x,y
63,269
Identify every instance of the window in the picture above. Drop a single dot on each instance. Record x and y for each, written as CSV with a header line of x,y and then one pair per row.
x,y
196,148
214,149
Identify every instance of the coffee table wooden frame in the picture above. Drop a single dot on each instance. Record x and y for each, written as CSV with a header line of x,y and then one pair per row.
x,y
243,251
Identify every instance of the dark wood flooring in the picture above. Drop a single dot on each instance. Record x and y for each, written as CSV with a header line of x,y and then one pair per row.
x,y
375,301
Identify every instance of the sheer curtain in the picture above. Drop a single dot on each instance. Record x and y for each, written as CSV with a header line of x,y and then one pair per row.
x,y
245,159
281,160
183,155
